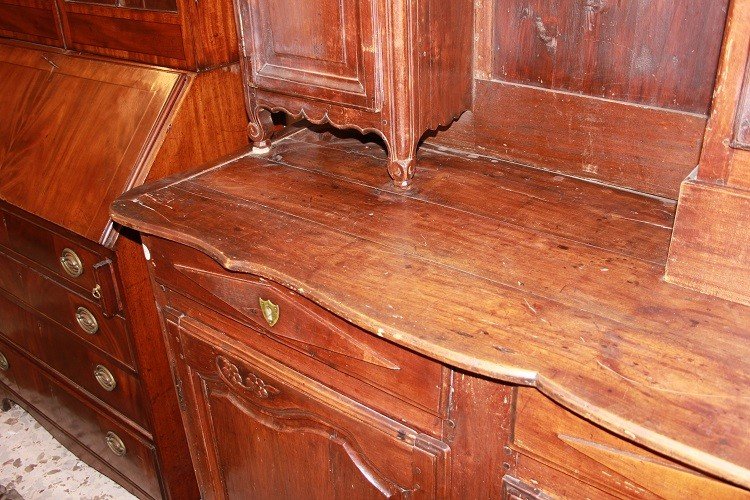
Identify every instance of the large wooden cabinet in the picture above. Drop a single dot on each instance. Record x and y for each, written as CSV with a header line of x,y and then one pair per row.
x,y
395,67
322,350
79,338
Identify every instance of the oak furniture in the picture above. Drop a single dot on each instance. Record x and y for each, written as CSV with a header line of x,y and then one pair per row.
x,y
332,335
394,67
80,347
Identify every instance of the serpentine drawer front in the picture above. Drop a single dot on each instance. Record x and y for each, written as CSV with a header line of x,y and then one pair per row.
x,y
283,324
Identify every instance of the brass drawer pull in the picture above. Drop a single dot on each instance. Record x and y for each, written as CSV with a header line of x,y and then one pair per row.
x,y
4,365
270,311
105,378
71,263
87,321
115,444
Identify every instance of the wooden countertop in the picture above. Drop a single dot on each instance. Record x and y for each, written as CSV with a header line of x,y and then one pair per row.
x,y
521,275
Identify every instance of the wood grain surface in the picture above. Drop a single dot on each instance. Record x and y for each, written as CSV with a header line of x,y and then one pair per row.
x,y
519,275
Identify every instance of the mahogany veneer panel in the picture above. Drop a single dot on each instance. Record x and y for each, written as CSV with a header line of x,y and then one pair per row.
x,y
66,139
465,273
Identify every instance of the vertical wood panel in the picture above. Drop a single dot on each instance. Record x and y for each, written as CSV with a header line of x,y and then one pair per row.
x,y
661,53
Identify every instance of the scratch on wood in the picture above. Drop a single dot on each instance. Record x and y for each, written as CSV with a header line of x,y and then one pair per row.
x,y
54,66
549,40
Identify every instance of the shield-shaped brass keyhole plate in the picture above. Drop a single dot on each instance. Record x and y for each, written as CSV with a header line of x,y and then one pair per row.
x,y
270,311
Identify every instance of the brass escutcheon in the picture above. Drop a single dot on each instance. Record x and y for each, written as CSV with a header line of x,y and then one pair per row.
x,y
4,365
71,263
115,444
87,321
270,311
105,378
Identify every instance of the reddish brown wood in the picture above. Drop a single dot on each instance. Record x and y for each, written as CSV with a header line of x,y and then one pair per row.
x,y
271,423
397,68
127,35
56,284
445,271
32,20
662,53
642,148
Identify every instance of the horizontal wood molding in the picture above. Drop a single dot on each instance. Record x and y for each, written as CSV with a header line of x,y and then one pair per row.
x,y
628,145
709,250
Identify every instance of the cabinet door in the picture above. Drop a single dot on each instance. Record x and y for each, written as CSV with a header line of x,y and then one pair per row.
x,y
324,49
260,430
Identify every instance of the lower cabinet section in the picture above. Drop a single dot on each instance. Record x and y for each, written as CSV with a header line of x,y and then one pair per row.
x,y
260,430
108,444
561,455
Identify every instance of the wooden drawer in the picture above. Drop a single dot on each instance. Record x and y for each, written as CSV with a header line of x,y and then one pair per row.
x,y
90,426
22,377
70,358
568,457
255,424
78,263
68,309
305,335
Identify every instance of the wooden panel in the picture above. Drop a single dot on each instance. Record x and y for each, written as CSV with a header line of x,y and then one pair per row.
x,y
709,250
319,345
33,20
159,5
130,35
636,147
295,51
65,138
661,53
585,452
722,162
473,270
264,424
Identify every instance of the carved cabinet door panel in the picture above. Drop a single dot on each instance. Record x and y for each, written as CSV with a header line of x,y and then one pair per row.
x,y
260,430
326,49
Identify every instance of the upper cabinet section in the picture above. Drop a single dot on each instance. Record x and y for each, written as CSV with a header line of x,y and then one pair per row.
x,y
77,132
395,67
182,34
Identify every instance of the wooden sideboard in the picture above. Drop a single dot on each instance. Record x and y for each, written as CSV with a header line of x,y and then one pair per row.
x,y
394,67
333,335
78,335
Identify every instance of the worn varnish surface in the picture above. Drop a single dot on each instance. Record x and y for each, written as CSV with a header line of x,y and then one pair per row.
x,y
516,274
78,129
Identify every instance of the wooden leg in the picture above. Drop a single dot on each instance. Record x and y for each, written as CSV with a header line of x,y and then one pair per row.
x,y
260,129
402,162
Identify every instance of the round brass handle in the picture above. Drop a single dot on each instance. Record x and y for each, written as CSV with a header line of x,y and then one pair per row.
x,y
4,365
115,444
105,378
71,263
87,321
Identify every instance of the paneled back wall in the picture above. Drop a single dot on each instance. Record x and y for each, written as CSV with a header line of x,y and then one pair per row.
x,y
613,90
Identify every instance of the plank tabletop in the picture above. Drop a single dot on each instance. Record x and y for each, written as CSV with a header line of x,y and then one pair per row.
x,y
509,272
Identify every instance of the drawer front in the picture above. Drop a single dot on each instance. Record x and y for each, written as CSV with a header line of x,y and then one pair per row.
x,y
70,358
22,377
567,456
73,260
289,319
131,455
258,428
80,316
325,50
